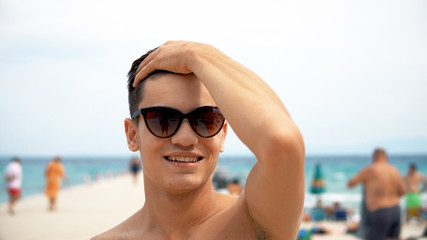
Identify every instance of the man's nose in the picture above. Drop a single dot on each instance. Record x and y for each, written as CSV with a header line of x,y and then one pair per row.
x,y
185,136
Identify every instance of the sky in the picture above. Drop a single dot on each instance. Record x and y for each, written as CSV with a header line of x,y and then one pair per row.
x,y
353,74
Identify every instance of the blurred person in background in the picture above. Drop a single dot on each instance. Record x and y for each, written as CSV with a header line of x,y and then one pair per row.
x,y
54,173
135,168
383,188
13,177
413,180
234,187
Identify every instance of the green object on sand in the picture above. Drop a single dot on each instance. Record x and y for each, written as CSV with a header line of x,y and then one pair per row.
x,y
413,200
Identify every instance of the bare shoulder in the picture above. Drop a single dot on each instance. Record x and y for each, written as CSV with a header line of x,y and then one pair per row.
x,y
110,235
394,170
120,232
367,171
232,222
102,236
225,200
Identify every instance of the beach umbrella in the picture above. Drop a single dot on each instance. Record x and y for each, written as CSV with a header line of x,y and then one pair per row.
x,y
318,183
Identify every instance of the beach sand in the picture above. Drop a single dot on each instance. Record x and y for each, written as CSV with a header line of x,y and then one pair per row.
x,y
87,210
338,230
82,211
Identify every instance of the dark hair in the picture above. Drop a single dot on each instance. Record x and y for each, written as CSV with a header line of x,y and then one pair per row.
x,y
235,181
413,166
135,95
379,152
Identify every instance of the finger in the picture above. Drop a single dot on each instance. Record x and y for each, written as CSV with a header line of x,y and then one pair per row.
x,y
145,68
147,59
145,71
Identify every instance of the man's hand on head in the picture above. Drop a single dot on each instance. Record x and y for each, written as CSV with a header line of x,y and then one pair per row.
x,y
171,56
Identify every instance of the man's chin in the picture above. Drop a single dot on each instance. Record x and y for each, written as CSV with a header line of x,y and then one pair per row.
x,y
186,185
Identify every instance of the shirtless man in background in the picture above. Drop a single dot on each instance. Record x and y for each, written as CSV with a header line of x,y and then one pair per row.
x,y
178,127
413,197
383,188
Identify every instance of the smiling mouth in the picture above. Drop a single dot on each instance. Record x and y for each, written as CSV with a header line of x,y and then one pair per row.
x,y
183,159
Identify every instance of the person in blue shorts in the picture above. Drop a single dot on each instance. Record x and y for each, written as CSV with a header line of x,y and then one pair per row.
x,y
383,188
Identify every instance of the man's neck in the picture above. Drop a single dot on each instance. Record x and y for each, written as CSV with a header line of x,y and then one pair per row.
x,y
176,214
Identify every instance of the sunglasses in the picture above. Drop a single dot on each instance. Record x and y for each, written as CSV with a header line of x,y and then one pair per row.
x,y
164,122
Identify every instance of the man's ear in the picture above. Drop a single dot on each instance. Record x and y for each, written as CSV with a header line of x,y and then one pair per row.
x,y
131,135
224,129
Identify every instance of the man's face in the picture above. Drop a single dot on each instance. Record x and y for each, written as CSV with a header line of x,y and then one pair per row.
x,y
184,93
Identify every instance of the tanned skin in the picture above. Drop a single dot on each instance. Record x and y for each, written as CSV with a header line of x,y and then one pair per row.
x,y
180,202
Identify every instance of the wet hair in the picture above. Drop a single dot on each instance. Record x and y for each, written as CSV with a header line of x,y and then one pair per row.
x,y
413,166
135,95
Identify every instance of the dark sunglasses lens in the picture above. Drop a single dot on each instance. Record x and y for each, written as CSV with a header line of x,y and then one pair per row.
x,y
162,122
207,121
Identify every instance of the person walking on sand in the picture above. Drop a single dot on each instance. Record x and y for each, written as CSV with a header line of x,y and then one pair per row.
x,y
135,168
234,187
55,172
180,95
383,188
413,197
13,177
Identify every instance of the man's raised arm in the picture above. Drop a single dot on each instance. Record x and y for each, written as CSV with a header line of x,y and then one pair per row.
x,y
274,190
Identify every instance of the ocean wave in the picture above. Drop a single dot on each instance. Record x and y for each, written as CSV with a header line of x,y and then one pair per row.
x,y
329,198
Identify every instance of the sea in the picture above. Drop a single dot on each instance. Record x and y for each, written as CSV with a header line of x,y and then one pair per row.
x,y
337,170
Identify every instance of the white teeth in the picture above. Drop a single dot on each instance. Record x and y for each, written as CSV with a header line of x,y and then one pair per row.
x,y
183,159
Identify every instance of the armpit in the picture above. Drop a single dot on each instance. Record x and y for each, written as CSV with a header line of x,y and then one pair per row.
x,y
261,234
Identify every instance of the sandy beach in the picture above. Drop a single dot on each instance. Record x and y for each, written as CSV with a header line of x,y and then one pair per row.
x,y
338,231
86,210
83,211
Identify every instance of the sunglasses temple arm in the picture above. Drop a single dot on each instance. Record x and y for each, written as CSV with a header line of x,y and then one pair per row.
x,y
135,114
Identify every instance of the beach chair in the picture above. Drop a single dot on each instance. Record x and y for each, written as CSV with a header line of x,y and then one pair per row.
x,y
318,214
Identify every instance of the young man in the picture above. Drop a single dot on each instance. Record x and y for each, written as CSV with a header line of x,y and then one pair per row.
x,y
178,129
383,188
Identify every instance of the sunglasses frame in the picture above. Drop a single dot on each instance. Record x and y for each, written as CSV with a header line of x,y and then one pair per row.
x,y
181,116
